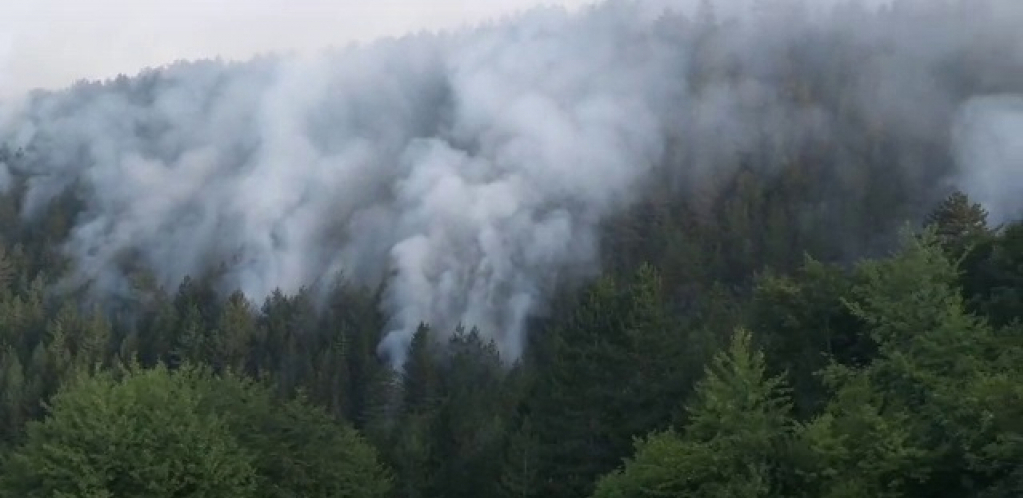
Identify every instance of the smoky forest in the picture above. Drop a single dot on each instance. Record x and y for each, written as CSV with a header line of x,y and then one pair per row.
x,y
659,248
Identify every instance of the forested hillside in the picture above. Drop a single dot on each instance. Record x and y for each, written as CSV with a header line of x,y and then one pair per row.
x,y
814,309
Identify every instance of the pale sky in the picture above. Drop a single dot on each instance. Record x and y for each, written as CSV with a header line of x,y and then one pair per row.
x,y
51,43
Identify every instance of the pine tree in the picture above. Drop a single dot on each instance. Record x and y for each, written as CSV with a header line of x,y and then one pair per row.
x,y
419,376
956,216
617,371
520,471
958,223
469,423
12,396
232,340
733,445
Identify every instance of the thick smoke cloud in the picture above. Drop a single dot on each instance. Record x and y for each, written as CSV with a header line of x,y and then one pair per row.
x,y
471,171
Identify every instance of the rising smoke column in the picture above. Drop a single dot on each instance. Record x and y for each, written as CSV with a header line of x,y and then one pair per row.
x,y
469,171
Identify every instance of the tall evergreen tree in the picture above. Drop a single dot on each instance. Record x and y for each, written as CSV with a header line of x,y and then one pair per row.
x,y
958,222
733,445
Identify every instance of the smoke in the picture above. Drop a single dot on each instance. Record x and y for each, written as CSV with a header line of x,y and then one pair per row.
x,y
470,171
6,46
989,136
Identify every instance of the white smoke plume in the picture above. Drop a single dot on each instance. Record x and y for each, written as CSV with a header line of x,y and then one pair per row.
x,y
989,137
468,171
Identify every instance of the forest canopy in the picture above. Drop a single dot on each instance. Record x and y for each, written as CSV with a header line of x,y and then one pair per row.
x,y
767,253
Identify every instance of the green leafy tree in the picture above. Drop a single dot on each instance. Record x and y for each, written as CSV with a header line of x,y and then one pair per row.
x,y
944,366
856,448
186,433
296,449
143,436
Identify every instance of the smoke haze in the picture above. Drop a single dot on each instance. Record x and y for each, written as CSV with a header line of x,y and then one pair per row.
x,y
470,171
56,42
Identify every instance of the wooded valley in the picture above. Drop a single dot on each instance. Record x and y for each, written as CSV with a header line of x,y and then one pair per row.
x,y
828,317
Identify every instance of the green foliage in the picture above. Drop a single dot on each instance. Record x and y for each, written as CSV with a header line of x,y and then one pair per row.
x,y
614,373
161,433
856,448
738,429
993,276
143,436
912,395
939,370
905,369
804,324
958,223
905,375
520,472
297,449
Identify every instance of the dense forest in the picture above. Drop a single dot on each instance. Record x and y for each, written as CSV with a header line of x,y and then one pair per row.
x,y
826,317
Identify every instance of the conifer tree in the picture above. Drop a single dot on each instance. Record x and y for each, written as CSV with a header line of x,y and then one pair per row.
x,y
734,443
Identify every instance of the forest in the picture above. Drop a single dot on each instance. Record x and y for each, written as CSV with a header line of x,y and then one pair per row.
x,y
828,317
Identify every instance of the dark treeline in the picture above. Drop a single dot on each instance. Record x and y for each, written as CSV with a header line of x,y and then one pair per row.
x,y
895,376
782,331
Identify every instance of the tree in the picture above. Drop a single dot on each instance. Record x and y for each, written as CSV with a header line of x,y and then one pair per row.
x,y
958,221
614,373
856,448
419,380
803,324
236,328
469,423
12,396
520,472
993,276
739,425
143,436
186,433
296,449
946,370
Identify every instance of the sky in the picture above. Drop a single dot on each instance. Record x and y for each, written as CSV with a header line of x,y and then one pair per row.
x,y
51,43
